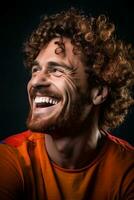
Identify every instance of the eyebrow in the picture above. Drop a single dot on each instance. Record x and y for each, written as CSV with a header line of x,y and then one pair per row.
x,y
51,64
35,63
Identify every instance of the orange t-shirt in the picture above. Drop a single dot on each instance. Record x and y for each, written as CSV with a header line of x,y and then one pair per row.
x,y
27,173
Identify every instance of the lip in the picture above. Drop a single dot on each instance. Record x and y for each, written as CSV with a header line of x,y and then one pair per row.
x,y
45,101
46,113
42,92
41,109
33,93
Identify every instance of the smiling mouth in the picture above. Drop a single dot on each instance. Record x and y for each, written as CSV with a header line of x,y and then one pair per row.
x,y
45,101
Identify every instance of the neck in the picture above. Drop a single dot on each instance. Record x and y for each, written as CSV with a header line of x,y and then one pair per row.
x,y
67,151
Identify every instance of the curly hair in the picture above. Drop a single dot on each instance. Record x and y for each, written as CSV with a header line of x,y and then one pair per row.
x,y
109,61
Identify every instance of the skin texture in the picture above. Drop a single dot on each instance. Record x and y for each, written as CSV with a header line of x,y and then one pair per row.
x,y
109,61
63,77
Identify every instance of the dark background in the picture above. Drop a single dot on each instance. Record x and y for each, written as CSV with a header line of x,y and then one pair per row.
x,y
17,20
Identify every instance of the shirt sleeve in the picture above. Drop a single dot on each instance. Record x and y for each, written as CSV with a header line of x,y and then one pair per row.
x,y
128,184
11,178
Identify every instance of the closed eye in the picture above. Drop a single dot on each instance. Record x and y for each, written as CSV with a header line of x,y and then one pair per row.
x,y
56,71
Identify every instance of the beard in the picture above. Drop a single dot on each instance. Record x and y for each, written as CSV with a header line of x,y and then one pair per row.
x,y
69,121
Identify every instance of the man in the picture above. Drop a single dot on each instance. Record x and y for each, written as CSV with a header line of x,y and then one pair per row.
x,y
81,77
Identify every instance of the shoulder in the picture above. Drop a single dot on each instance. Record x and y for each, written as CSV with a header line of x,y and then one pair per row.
x,y
17,139
20,138
9,145
11,175
14,147
118,144
119,153
119,165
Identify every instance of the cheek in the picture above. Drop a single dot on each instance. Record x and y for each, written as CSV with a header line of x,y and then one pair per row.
x,y
28,87
69,85
71,90
28,91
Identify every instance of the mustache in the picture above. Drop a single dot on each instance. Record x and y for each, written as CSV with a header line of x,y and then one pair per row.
x,y
44,91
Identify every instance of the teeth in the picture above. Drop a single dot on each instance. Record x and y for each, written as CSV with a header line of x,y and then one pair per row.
x,y
50,101
45,100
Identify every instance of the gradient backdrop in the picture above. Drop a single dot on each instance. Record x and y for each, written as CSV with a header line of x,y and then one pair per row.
x,y
17,20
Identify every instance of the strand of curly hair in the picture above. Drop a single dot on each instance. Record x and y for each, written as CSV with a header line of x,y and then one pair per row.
x,y
109,61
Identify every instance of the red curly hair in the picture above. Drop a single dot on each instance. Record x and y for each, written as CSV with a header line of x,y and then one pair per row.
x,y
109,61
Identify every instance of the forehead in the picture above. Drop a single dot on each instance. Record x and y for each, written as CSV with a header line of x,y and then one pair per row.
x,y
50,52
54,44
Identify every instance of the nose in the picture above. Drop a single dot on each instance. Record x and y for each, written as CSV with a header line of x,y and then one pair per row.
x,y
41,78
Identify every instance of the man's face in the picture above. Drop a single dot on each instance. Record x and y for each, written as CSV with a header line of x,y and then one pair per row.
x,y
58,90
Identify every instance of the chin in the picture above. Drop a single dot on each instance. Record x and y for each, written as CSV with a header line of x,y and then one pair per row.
x,y
39,125
66,122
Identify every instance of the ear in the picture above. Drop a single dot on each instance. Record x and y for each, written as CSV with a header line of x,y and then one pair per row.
x,y
99,95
